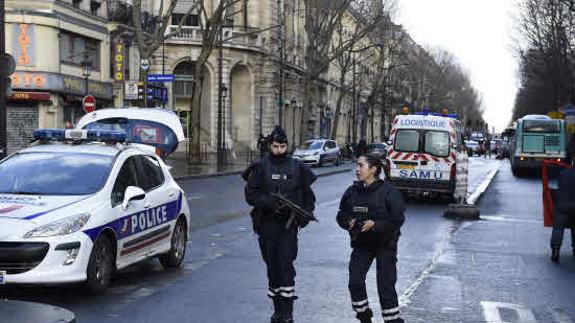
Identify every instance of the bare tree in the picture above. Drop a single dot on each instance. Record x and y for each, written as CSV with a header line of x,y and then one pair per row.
x,y
322,18
150,29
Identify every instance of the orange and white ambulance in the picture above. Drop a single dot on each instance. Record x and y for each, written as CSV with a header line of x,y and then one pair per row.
x,y
427,156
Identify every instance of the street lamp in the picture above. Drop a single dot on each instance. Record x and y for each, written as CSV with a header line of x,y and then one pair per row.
x,y
224,90
86,71
293,103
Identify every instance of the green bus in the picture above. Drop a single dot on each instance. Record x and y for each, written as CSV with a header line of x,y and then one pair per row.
x,y
537,137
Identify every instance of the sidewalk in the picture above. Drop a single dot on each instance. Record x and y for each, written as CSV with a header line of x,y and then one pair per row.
x,y
181,170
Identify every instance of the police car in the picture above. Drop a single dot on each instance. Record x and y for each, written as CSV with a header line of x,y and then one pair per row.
x,y
80,204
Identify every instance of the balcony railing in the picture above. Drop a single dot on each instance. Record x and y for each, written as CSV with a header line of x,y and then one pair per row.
x,y
234,37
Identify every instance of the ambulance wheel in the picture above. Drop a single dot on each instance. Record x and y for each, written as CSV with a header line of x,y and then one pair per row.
x,y
175,257
100,266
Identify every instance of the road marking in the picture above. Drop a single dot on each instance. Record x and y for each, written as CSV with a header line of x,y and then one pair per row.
x,y
491,312
506,218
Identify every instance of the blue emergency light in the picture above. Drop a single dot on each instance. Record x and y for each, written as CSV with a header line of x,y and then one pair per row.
x,y
79,135
450,115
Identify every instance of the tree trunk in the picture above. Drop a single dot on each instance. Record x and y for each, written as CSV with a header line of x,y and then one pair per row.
x,y
194,126
334,129
372,124
307,106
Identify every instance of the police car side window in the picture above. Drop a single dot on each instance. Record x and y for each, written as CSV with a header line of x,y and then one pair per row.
x,y
126,177
149,173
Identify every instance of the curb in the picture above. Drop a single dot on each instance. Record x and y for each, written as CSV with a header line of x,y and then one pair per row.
x,y
237,172
478,193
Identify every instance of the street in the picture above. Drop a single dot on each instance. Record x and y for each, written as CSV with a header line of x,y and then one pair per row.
x,y
493,270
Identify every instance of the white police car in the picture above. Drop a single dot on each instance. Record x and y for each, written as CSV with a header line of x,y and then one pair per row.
x,y
80,204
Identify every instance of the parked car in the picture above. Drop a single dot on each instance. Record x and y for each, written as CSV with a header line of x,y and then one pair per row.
x,y
81,204
379,149
473,147
317,152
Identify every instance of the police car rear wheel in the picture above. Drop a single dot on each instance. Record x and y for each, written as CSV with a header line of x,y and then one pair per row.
x,y
100,266
175,257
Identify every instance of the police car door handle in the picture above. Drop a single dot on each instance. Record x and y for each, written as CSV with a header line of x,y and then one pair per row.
x,y
171,194
147,205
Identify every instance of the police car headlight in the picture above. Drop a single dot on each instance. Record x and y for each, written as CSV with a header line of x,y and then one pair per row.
x,y
67,225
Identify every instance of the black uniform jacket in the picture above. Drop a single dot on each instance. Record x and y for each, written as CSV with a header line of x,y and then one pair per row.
x,y
380,202
297,187
566,193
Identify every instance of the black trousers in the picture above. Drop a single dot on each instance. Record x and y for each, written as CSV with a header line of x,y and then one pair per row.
x,y
560,223
279,251
359,264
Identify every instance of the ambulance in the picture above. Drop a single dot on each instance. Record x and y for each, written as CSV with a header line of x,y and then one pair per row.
x,y
427,156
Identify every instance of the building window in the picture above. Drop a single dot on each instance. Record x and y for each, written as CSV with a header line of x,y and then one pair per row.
x,y
76,3
94,7
190,21
74,49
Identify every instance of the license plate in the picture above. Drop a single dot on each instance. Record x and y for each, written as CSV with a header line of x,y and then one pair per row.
x,y
411,167
2,277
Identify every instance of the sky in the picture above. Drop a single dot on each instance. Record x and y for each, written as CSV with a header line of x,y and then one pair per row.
x,y
479,34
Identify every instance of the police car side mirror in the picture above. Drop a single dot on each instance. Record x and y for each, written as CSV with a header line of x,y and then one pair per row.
x,y
133,193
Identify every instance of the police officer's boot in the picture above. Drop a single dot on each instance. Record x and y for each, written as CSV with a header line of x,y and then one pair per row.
x,y
287,311
365,317
555,254
276,317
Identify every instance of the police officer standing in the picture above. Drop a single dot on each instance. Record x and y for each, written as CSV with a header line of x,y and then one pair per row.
x,y
277,172
373,212
564,212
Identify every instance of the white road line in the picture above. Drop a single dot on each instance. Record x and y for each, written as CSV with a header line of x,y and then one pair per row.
x,y
491,312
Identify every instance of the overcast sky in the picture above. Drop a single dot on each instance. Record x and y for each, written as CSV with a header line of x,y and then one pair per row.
x,y
478,33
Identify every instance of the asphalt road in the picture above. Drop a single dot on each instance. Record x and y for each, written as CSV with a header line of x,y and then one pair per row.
x,y
493,270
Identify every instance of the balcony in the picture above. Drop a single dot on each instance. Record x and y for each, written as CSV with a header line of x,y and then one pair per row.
x,y
239,38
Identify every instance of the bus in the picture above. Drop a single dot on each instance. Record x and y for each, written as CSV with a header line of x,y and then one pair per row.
x,y
537,138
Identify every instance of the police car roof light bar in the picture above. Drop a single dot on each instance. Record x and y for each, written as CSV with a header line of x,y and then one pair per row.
x,y
79,135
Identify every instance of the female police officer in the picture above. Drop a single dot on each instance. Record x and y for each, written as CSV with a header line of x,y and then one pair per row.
x,y
277,172
373,213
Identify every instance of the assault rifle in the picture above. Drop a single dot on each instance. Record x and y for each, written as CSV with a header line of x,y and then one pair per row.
x,y
297,213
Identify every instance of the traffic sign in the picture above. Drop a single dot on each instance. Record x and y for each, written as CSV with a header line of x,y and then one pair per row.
x,y
89,103
145,64
160,78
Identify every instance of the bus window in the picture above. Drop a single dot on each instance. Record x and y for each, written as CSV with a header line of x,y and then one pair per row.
x,y
541,126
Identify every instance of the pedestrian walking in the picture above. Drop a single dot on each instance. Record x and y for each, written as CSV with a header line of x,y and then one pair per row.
x,y
278,172
563,212
373,212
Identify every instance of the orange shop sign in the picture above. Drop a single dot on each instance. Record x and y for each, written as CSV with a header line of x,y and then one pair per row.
x,y
23,44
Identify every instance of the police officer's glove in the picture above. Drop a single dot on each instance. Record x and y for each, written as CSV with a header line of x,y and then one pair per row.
x,y
303,223
280,207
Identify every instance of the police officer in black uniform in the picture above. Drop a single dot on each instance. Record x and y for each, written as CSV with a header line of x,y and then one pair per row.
x,y
373,212
278,172
564,212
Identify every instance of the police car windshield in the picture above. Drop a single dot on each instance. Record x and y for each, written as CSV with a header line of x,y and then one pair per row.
x,y
46,173
312,145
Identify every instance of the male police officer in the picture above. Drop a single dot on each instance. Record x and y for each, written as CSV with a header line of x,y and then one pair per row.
x,y
277,172
564,213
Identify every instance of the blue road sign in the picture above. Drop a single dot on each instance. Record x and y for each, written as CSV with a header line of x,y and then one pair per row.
x,y
160,77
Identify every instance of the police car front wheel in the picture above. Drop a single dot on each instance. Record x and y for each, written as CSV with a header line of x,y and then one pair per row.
x,y
100,266
175,257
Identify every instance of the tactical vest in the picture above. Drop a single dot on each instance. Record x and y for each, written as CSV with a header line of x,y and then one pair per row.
x,y
283,178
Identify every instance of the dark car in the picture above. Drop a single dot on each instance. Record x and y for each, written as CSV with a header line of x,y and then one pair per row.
x,y
379,149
